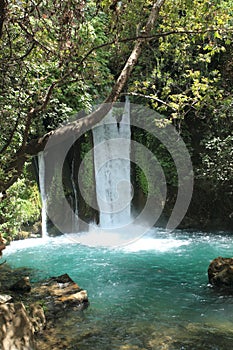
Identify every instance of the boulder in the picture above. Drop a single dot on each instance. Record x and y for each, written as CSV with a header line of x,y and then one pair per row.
x,y
37,317
50,303
17,328
22,286
74,298
61,293
5,298
220,273
2,244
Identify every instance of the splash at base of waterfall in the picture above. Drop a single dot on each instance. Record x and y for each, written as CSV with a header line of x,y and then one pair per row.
x,y
98,237
152,240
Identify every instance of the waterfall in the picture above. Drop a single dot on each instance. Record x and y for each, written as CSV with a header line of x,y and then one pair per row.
x,y
41,165
75,202
111,139
112,167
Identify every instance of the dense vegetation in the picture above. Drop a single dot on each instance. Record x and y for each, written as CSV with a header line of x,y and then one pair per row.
x,y
60,57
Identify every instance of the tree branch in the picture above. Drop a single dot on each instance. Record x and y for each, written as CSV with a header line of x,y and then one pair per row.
x,y
148,97
148,38
3,5
10,138
27,53
126,71
83,124
33,112
96,116
32,37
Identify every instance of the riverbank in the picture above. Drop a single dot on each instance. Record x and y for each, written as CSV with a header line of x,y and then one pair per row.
x,y
31,314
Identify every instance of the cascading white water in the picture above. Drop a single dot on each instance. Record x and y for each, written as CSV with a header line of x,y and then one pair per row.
x,y
41,165
112,173
112,167
75,203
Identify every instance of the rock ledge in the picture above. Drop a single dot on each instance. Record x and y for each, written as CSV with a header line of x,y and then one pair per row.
x,y
25,309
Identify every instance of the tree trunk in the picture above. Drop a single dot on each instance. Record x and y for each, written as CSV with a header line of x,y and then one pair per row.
x,y
3,4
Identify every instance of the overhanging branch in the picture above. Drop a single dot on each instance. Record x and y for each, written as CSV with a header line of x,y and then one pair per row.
x,y
151,37
149,97
3,5
79,126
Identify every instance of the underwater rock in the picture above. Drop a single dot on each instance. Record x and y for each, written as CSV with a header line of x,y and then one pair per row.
x,y
220,273
162,342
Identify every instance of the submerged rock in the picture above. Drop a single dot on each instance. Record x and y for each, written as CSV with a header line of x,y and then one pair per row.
x,y
220,273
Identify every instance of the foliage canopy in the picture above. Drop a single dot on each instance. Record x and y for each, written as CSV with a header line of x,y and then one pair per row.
x,y
60,57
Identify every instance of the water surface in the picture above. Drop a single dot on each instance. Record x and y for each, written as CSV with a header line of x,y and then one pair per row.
x,y
151,294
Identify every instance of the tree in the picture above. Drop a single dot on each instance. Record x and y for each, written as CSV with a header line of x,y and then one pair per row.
x,y
49,47
59,57
186,74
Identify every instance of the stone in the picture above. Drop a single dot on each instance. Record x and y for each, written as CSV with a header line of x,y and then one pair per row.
x,y
61,293
37,317
48,307
2,244
22,286
16,328
220,273
4,298
80,297
65,278
23,234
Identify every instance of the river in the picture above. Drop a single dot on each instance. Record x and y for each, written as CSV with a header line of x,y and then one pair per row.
x,y
150,294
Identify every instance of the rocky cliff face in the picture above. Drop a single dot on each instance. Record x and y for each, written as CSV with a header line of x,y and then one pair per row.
x,y
29,312
19,326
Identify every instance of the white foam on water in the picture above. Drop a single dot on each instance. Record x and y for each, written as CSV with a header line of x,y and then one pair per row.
x,y
148,243
97,237
151,241
25,243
